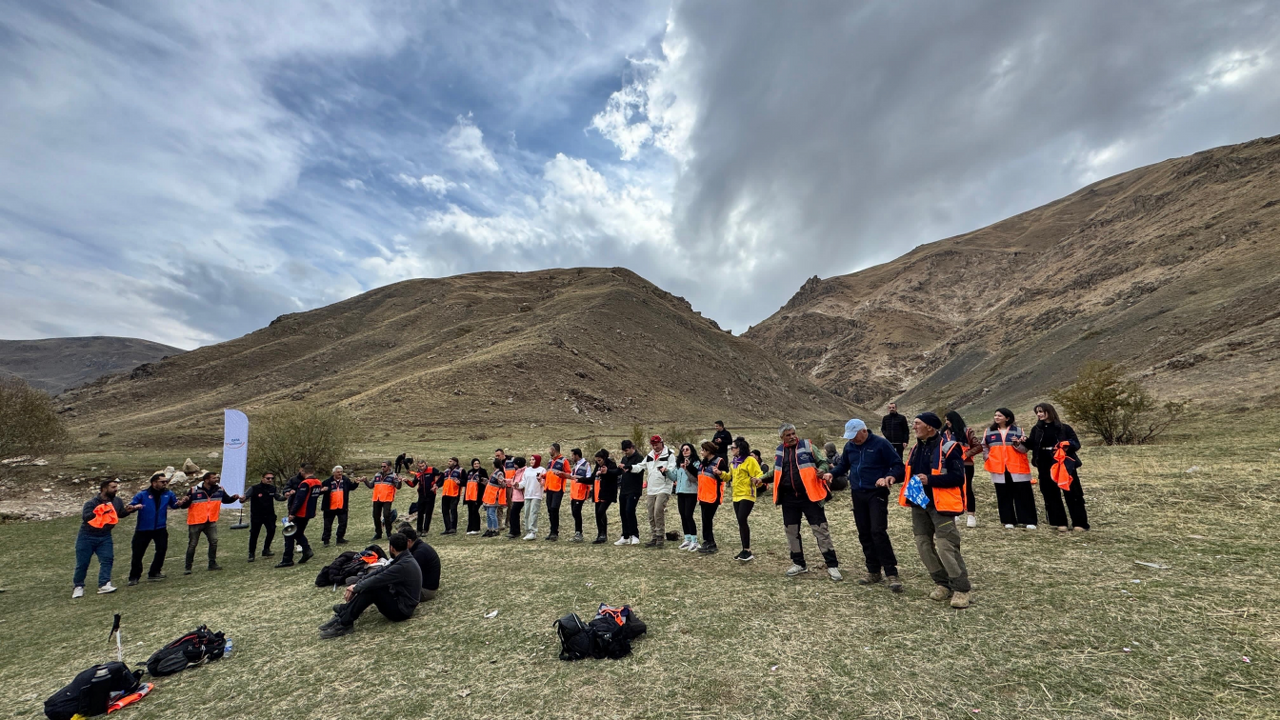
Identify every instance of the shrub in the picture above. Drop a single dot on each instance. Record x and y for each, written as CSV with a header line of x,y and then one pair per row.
x,y
282,438
674,437
638,436
1118,410
29,424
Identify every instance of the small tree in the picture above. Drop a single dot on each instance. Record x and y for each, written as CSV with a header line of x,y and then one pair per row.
x,y
284,437
1118,410
638,436
29,424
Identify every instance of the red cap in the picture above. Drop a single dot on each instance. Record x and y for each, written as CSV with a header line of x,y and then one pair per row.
x,y
655,439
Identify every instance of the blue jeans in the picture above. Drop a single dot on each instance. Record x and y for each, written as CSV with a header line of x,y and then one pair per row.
x,y
491,517
86,547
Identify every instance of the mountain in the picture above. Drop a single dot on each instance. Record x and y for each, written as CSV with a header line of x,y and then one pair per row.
x,y
1171,269
58,364
571,346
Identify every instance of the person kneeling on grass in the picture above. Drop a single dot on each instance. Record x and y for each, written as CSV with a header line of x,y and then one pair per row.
x,y
395,589
428,561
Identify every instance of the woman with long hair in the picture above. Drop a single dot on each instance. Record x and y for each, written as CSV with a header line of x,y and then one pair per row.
x,y
955,430
685,475
710,495
1004,446
604,492
1048,433
477,479
743,476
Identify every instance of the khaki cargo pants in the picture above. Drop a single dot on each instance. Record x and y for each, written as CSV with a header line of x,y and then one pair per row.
x,y
938,541
657,507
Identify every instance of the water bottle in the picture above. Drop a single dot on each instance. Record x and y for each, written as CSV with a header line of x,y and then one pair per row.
x,y
227,650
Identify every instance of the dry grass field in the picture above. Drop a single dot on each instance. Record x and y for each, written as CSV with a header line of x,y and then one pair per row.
x,y
1061,625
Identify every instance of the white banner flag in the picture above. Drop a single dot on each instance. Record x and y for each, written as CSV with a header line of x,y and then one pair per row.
x,y
235,452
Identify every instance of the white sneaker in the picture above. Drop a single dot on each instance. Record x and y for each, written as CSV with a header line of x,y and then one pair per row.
x,y
695,547
796,570
624,540
108,588
972,521
635,540
1031,527
1008,527
835,574
530,536
77,593
684,545
473,532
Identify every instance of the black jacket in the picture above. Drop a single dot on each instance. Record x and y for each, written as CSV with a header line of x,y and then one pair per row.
x,y
607,474
402,576
345,486
723,440
429,563
895,429
631,483
1043,440
262,500
924,458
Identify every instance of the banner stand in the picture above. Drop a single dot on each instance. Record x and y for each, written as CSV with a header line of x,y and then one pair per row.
x,y
235,457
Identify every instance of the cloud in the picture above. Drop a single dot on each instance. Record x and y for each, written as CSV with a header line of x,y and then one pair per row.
x,y
467,144
433,184
353,184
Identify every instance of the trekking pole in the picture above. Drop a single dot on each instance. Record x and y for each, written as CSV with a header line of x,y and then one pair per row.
x,y
115,630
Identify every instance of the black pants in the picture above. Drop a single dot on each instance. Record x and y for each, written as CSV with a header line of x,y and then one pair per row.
x,y
143,538
871,515
381,518
686,503
575,507
513,518
1016,502
426,506
1053,496
554,498
473,516
741,510
386,600
627,504
602,518
792,510
257,523
329,516
449,512
708,521
970,500
899,447
299,539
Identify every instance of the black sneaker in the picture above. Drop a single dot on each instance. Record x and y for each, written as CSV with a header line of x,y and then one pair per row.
x,y
324,543
284,563
133,581
600,540
336,631
187,570
744,556
157,577
330,623
305,557
375,537
553,537
252,558
577,537
709,549
215,566
342,541
268,553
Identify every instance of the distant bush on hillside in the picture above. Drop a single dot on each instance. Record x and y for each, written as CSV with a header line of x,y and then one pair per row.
x,y
674,437
1118,410
282,438
638,436
29,424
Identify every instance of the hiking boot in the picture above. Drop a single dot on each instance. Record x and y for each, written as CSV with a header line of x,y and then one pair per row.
x,y
157,577
214,566
709,549
186,570
268,553
870,579
652,543
894,583
336,631
577,537
132,582
972,521
108,588
305,557
940,593
600,540
77,592
796,569
834,574
744,556
960,600
284,563
330,623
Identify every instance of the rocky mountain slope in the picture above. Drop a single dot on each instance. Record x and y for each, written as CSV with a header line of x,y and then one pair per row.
x,y
548,347
58,364
1172,269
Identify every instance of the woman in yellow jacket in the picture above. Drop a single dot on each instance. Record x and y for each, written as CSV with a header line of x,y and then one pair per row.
x,y
744,476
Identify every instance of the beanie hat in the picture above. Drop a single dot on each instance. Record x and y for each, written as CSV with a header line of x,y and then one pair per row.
x,y
930,419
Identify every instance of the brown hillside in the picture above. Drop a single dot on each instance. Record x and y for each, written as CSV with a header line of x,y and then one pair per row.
x,y
56,364
1171,269
548,347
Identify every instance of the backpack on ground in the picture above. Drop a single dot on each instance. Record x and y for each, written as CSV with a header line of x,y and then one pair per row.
x,y
575,637
195,648
612,631
331,574
89,693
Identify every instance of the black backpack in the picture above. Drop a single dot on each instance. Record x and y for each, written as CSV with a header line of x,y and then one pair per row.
x,y
90,692
195,648
332,574
575,637
612,631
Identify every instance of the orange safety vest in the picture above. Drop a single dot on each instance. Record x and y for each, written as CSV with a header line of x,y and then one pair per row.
x,y
104,515
948,501
556,472
451,487
491,494
473,489
205,506
384,490
1001,454
709,488
814,487
337,498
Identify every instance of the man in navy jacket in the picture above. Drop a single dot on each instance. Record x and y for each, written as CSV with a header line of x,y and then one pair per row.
x,y
156,502
868,459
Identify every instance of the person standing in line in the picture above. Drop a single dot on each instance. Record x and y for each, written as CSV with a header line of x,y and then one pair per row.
x,y
723,439
337,500
302,507
604,493
384,485
477,479
799,490
656,464
710,495
579,489
1047,435
493,498
630,486
154,505
868,459
938,465
895,429
685,475
426,479
450,492
744,477
558,473
505,496
1005,449
262,513
99,517
532,487
516,510
955,430
204,506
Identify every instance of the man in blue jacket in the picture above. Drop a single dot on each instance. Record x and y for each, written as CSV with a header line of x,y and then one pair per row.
x,y
154,505
868,459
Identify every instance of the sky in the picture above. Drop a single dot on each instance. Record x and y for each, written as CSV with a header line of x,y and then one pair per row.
x,y
187,171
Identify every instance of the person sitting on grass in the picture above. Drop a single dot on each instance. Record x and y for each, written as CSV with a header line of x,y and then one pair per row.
x,y
395,589
428,561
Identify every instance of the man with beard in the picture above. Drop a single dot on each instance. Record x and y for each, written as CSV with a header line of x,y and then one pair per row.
x,y
154,505
100,516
